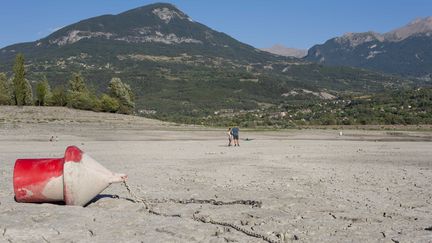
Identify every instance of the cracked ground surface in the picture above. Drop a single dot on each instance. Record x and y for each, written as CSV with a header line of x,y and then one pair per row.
x,y
315,186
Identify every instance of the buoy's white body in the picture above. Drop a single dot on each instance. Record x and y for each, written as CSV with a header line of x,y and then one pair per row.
x,y
85,179
75,179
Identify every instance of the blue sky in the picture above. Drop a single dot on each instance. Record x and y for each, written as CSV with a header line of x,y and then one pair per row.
x,y
261,23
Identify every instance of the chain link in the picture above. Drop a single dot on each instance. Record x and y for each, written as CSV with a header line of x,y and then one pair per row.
x,y
207,201
138,199
198,218
208,220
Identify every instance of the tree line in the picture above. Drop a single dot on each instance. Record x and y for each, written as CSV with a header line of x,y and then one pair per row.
x,y
17,90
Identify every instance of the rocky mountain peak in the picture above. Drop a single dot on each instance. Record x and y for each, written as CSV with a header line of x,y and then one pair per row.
x,y
155,23
405,50
166,14
417,26
355,39
164,11
426,20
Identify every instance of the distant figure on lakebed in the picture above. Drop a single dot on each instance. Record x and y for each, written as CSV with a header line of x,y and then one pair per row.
x,y
235,133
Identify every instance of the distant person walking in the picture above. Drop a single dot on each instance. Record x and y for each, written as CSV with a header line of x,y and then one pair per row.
x,y
235,133
230,136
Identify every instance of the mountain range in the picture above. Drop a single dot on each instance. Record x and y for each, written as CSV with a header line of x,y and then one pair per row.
x,y
177,66
156,29
405,51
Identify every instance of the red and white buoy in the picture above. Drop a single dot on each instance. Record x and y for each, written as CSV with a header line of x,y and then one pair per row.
x,y
75,179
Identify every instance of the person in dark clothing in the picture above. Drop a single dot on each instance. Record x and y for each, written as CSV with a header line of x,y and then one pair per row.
x,y
235,133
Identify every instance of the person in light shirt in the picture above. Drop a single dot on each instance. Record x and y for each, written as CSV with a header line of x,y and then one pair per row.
x,y
230,137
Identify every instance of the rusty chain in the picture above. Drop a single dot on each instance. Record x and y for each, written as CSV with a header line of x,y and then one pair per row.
x,y
198,218
208,220
208,201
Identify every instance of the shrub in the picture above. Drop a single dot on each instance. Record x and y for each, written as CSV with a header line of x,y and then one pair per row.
x,y
81,100
5,96
59,97
109,104
43,93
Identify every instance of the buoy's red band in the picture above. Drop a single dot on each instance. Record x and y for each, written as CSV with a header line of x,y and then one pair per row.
x,y
32,175
73,154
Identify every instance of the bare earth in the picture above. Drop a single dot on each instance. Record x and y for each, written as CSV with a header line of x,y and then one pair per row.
x,y
315,185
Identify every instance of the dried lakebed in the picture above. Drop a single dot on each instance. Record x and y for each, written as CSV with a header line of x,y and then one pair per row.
x,y
314,185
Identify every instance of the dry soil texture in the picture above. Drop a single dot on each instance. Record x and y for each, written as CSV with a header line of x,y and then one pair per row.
x,y
314,185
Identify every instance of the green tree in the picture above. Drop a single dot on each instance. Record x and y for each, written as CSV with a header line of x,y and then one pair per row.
x,y
22,92
77,83
5,96
123,93
43,93
28,93
78,95
59,96
82,101
109,104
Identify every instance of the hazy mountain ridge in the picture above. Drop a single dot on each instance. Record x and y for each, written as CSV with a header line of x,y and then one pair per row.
x,y
279,49
406,50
